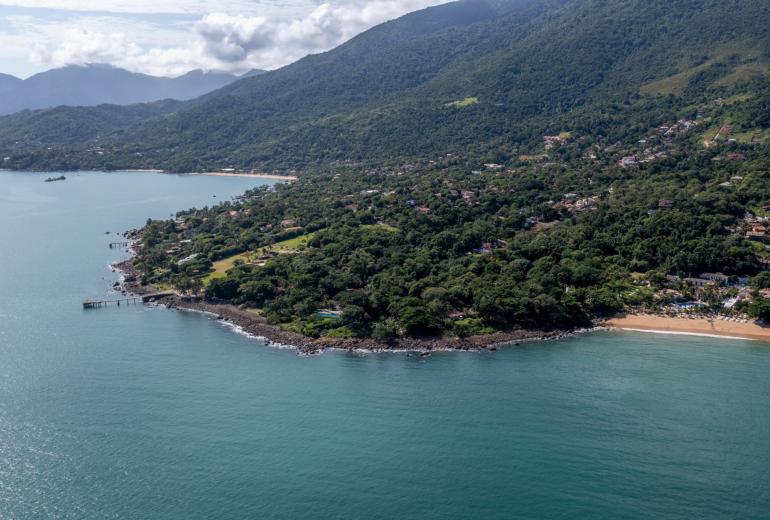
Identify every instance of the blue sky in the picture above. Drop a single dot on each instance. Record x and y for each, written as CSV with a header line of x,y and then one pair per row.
x,y
170,37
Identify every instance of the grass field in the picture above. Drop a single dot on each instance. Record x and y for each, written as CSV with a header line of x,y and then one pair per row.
x,y
463,103
285,247
386,227
752,64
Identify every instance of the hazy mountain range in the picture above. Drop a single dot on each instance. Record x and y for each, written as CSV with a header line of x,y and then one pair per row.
x,y
91,85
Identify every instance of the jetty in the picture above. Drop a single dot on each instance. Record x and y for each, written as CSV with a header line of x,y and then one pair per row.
x,y
113,245
128,300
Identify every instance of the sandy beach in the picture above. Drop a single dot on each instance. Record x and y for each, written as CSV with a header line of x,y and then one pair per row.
x,y
686,325
269,176
288,178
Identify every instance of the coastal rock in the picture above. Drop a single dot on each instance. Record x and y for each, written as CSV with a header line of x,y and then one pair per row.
x,y
259,327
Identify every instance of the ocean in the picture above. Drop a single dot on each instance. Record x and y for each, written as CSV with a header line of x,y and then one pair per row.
x,y
145,413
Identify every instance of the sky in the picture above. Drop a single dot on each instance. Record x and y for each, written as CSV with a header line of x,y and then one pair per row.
x,y
171,37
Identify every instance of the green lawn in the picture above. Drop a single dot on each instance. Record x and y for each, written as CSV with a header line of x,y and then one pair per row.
x,y
284,247
291,245
386,227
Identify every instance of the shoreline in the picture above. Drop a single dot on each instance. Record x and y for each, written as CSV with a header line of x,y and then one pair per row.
x,y
690,326
257,327
265,176
268,176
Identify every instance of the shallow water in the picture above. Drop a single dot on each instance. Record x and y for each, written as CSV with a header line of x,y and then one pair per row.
x,y
139,412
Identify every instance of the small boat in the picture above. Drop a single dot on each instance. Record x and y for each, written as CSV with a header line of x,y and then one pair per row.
x,y
54,179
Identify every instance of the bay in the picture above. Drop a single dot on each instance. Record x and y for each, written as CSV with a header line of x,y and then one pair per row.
x,y
141,412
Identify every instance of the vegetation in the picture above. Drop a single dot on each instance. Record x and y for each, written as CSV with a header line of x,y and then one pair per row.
x,y
450,246
536,67
479,166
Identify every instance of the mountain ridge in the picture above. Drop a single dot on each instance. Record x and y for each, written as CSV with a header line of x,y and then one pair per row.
x,y
97,84
398,90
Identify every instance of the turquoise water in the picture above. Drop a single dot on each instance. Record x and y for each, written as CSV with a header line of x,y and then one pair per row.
x,y
145,413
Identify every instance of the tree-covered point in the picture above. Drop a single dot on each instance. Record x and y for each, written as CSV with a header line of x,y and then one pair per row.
x,y
452,246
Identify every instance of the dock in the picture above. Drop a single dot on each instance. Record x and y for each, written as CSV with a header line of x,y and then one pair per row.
x,y
114,245
128,300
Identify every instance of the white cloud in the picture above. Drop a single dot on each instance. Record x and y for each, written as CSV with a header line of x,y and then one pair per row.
x,y
264,42
144,6
216,41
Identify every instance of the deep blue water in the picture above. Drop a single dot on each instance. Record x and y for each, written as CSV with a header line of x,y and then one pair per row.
x,y
145,413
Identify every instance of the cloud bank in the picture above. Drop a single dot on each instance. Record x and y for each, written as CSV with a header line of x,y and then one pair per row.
x,y
216,40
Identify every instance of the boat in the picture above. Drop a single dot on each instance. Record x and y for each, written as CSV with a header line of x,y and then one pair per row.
x,y
54,179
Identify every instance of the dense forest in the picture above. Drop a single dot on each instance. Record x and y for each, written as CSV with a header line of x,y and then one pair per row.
x,y
474,167
481,77
553,238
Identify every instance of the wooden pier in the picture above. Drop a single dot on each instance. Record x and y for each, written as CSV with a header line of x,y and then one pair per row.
x,y
114,245
128,300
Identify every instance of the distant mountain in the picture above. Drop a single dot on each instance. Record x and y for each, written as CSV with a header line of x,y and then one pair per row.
x,y
92,85
7,82
476,76
252,73
65,125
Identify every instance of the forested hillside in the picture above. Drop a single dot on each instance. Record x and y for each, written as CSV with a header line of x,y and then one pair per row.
x,y
474,77
538,166
72,125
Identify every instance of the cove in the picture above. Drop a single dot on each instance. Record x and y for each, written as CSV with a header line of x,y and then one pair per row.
x,y
141,412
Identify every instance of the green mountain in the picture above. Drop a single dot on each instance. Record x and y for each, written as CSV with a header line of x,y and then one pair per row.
x,y
476,76
64,125
483,167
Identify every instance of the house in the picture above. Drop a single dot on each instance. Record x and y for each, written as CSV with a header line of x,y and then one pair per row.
x,y
756,235
665,204
585,204
188,259
630,160
715,277
697,282
287,223
552,141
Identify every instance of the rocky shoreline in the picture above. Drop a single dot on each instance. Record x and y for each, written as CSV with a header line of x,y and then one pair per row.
x,y
257,326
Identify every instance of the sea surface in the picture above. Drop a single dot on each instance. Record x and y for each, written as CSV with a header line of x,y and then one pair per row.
x,y
145,413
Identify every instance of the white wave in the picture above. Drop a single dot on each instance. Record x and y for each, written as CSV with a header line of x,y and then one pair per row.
x,y
679,333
